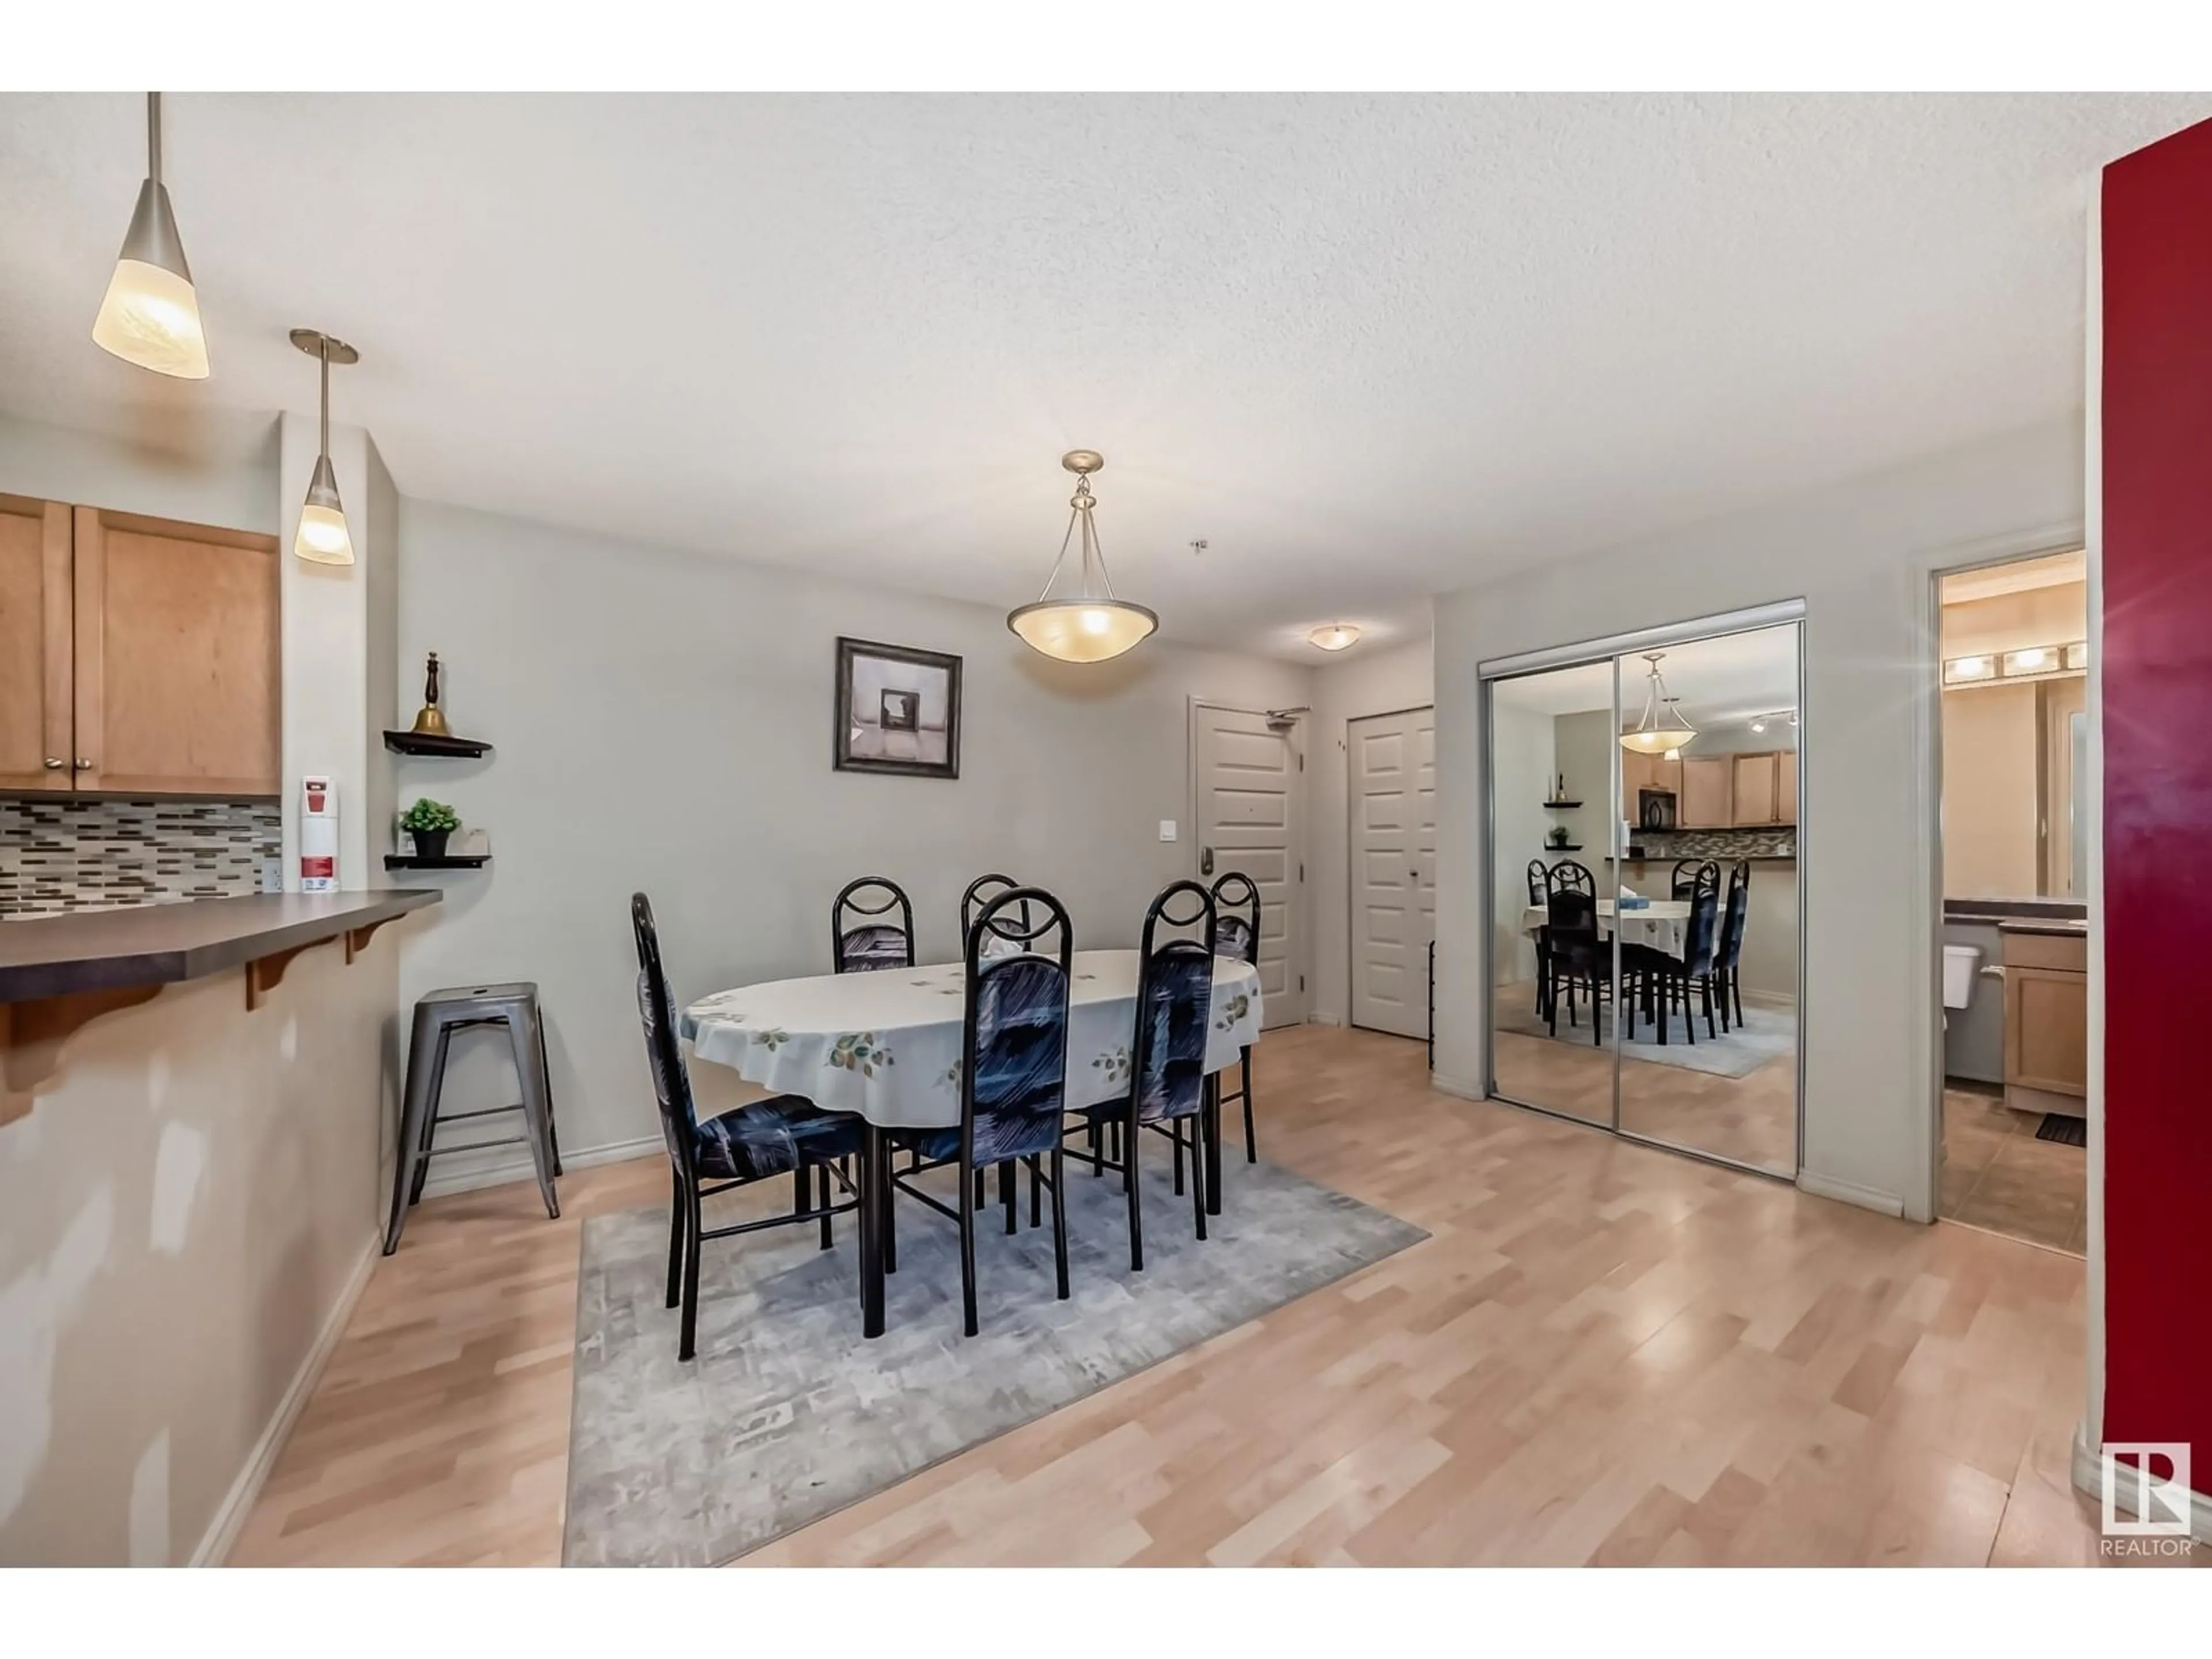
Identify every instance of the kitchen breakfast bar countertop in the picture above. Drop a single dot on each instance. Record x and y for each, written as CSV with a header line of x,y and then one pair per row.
x,y
162,943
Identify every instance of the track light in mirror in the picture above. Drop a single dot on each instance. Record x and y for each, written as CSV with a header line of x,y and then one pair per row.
x,y
151,315
323,537
1090,625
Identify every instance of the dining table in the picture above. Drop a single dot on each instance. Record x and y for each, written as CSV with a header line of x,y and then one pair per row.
x,y
886,1045
1658,923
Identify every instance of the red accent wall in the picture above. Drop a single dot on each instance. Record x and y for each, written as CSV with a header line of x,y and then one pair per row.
x,y
2157,668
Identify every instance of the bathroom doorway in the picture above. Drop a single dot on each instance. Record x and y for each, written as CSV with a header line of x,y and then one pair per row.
x,y
2012,826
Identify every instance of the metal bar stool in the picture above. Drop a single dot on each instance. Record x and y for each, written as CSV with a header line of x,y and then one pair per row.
x,y
437,1016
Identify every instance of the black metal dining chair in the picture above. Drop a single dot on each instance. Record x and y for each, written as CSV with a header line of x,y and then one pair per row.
x,y
1167,1052
857,947
783,1135
1581,959
1684,880
1670,977
1729,955
1538,872
981,892
1236,934
1013,1075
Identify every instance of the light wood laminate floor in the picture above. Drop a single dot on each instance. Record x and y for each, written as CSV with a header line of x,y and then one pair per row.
x,y
1604,1354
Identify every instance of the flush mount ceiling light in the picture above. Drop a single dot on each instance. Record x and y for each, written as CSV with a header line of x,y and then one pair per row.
x,y
1091,625
1335,636
151,315
323,537
1663,726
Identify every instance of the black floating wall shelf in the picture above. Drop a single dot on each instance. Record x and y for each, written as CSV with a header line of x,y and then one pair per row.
x,y
425,743
1562,806
450,861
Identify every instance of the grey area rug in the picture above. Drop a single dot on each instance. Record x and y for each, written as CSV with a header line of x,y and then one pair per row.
x,y
1766,1034
787,1414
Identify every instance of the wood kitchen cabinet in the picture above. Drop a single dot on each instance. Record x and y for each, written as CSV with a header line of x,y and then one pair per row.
x,y
34,644
1704,801
1752,780
136,655
1785,786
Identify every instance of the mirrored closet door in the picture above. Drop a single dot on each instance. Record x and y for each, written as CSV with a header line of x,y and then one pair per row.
x,y
1645,908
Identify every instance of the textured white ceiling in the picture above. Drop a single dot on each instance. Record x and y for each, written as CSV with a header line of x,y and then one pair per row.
x,y
1368,347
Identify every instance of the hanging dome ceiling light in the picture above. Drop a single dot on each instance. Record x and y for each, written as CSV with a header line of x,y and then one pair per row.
x,y
151,315
1663,726
1091,625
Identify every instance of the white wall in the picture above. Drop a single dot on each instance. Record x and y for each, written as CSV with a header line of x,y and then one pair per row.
x,y
1524,766
663,720
1382,682
1857,553
183,1211
87,470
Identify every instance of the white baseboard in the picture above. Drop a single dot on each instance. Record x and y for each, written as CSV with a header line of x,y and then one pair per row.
x,y
1849,1192
1320,1017
222,1531
465,1175
1457,1087
2087,1466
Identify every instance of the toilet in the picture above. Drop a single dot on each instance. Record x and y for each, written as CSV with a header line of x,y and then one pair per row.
x,y
1958,963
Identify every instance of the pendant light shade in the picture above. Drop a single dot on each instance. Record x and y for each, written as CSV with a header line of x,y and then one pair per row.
x,y
151,315
323,537
1662,727
1090,625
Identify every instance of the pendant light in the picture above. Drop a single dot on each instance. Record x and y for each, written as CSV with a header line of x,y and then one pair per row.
x,y
1092,625
151,315
1663,726
1334,636
323,537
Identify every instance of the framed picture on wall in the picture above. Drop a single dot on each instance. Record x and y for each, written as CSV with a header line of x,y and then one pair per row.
x,y
898,710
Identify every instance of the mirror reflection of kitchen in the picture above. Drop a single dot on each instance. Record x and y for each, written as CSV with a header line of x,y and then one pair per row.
x,y
1708,762
2015,829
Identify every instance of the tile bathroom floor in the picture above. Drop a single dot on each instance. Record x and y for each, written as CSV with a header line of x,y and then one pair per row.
x,y
1997,1176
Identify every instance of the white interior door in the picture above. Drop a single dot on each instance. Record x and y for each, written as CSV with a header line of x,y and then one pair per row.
x,y
1393,775
1250,812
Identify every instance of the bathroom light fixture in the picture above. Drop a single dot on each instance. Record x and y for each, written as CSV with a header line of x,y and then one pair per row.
x,y
2032,661
1663,726
151,315
1092,625
1960,669
1334,636
323,537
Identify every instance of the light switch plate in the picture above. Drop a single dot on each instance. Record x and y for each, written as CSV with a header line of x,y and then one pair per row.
x,y
1166,829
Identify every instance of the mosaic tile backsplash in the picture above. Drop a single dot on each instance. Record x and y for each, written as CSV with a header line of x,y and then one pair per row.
x,y
1779,842
58,855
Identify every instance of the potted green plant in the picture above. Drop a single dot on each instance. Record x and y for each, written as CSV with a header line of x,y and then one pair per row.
x,y
430,822
1558,837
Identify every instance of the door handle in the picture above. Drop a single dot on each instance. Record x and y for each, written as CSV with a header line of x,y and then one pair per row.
x,y
54,764
83,765
1206,862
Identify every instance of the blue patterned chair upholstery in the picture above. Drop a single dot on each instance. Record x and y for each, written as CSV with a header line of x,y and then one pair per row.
x,y
870,949
1167,1052
1013,1075
783,1135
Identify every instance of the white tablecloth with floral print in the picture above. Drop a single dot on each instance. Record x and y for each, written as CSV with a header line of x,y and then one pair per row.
x,y
887,1044
1660,923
